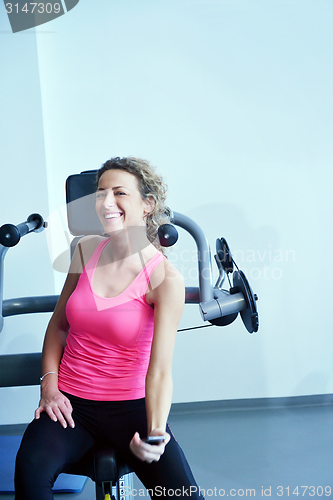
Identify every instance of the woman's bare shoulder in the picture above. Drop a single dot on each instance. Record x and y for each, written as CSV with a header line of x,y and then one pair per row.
x,y
173,277
165,280
85,247
90,241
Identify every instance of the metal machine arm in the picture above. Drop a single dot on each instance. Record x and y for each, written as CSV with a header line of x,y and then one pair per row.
x,y
217,305
10,235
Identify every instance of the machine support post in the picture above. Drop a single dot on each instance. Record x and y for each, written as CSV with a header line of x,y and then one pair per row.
x,y
3,251
204,254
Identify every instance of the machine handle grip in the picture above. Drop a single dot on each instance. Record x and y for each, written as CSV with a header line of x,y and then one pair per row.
x,y
10,235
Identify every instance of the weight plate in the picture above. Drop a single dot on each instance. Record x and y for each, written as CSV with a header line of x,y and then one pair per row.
x,y
224,320
224,255
250,314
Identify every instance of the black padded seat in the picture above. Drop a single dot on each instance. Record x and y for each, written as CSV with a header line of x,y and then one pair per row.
x,y
102,464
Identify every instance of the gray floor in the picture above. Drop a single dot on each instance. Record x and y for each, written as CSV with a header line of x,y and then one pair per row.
x,y
268,450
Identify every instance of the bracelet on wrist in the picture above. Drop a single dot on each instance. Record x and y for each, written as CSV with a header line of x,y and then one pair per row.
x,y
48,373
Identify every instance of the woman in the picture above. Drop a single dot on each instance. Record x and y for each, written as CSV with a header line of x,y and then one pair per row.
x,y
108,348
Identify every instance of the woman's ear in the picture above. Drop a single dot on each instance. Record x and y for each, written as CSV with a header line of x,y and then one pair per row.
x,y
149,205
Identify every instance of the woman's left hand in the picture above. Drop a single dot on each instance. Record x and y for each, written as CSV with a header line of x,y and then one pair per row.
x,y
149,452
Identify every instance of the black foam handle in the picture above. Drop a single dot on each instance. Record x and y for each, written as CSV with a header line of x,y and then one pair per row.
x,y
38,220
9,235
168,235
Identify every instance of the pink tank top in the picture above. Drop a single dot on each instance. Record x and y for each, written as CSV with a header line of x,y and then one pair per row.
x,y
109,341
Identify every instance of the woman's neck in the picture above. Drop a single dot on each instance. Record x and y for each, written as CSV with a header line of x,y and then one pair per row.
x,y
128,242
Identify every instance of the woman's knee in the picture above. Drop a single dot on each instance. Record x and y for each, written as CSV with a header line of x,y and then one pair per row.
x,y
40,451
34,465
47,448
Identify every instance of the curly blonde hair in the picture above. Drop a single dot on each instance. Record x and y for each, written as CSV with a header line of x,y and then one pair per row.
x,y
151,185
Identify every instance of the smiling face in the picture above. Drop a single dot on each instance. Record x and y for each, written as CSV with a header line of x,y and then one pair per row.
x,y
118,201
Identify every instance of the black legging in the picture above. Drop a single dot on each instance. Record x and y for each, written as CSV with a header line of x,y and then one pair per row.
x,y
47,449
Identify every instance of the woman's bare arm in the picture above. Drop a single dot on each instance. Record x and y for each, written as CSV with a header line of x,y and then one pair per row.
x,y
168,299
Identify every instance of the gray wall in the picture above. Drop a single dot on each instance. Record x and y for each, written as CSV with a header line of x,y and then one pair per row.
x,y
232,101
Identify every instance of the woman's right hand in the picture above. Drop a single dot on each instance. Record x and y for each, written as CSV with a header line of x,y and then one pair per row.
x,y
56,405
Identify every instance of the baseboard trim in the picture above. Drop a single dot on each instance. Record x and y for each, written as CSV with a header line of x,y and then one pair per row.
x,y
12,429
252,404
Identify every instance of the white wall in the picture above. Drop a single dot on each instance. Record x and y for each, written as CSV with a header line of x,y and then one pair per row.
x,y
23,192
232,101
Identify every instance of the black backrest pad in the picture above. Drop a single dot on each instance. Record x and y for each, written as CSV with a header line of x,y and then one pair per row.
x,y
80,199
20,369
